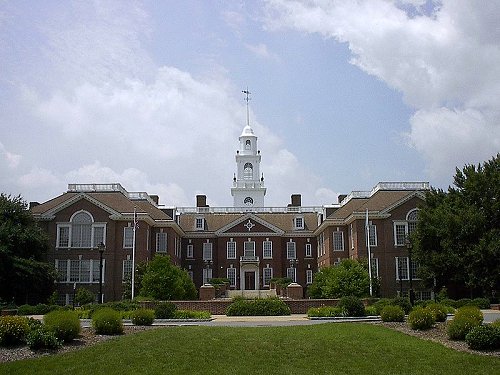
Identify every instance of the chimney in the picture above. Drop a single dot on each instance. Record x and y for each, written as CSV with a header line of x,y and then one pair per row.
x,y
201,201
33,204
341,197
155,199
296,200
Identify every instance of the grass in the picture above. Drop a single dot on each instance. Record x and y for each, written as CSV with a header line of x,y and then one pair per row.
x,y
318,349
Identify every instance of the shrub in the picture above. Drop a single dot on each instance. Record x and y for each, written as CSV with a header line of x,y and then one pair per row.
x,y
143,317
258,307
496,323
449,302
482,303
64,324
84,296
324,311
33,323
392,314
466,318
165,310
402,302
107,321
439,311
371,311
463,302
421,318
191,314
42,338
13,330
483,337
40,309
351,306
380,304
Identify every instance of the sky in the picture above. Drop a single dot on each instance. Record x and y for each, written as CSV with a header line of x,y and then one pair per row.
x,y
149,94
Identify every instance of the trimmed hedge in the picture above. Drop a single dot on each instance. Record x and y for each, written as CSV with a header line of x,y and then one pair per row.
x,y
483,337
64,324
258,307
143,317
324,311
392,314
13,330
107,321
421,318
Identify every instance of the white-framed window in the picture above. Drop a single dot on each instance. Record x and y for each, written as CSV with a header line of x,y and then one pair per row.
x,y
79,270
161,242
309,276
207,251
128,237
372,230
189,251
412,218
200,223
231,275
267,249
80,232
338,241
299,222
374,262
402,268
207,275
127,269
291,273
308,250
231,249
249,248
267,275
400,231
291,251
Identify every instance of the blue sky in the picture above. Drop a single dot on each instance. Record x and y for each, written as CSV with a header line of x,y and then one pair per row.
x,y
148,93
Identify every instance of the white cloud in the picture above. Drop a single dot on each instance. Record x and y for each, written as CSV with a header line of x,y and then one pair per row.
x,y
445,60
10,159
260,50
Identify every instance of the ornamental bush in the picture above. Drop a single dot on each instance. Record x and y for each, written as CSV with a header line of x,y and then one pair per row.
x,y
13,330
380,304
371,311
440,311
324,311
42,338
64,324
191,314
466,318
421,318
392,314
258,307
351,306
107,321
142,317
403,302
165,310
483,337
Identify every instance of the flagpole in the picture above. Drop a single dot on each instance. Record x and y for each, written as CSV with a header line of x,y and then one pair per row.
x,y
369,253
133,254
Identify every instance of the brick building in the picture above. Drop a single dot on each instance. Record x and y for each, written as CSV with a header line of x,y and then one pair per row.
x,y
248,243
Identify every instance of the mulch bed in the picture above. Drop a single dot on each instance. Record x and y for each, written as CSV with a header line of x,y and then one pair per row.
x,y
88,337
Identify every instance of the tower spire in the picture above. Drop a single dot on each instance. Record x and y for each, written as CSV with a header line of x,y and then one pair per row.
x,y
247,99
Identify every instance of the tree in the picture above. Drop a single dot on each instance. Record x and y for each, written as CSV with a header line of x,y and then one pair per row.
x,y
457,241
163,280
84,296
24,276
349,278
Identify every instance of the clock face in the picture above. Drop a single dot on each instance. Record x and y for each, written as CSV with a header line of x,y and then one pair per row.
x,y
248,201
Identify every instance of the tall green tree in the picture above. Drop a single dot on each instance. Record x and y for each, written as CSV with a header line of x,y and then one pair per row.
x,y
24,276
457,241
348,278
163,280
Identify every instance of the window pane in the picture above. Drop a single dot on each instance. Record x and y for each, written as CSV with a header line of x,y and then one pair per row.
x,y
290,273
308,250
62,270
161,242
267,251
290,250
63,237
267,275
249,248
128,237
231,250
74,271
189,251
309,276
338,241
127,269
207,251
373,235
98,235
400,234
85,271
231,275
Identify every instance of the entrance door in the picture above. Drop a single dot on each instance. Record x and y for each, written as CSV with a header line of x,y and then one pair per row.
x,y
249,280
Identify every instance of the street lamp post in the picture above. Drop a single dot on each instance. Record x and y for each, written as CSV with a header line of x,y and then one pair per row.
x,y
101,247
409,246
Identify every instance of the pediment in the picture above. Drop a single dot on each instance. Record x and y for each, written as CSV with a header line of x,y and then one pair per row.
x,y
249,224
69,202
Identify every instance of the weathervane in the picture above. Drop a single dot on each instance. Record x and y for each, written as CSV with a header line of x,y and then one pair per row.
x,y
247,99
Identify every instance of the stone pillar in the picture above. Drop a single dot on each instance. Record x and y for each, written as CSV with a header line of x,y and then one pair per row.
x,y
207,292
295,291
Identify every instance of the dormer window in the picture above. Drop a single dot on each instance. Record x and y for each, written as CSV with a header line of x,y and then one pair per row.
x,y
299,222
200,223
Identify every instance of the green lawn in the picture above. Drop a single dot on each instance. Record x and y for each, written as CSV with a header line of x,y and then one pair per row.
x,y
340,348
